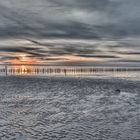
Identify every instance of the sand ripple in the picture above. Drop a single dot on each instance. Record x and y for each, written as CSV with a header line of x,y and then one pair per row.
x,y
69,109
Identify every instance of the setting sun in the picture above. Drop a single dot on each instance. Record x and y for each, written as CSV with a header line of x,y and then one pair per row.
x,y
23,59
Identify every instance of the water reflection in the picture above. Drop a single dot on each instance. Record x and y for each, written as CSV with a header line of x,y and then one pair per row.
x,y
20,70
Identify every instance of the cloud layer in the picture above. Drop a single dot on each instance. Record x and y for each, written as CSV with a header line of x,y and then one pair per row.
x,y
70,18
61,31
71,51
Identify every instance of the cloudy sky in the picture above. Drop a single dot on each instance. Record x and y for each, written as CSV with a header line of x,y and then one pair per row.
x,y
70,32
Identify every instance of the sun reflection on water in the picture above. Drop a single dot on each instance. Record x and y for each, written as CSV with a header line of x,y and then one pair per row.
x,y
22,70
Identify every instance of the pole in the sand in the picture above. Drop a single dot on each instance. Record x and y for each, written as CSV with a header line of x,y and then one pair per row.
x,y
6,70
65,72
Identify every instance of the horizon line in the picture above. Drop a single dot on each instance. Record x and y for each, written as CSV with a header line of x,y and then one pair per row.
x,y
70,65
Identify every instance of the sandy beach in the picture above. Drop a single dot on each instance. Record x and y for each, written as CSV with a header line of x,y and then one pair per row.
x,y
56,108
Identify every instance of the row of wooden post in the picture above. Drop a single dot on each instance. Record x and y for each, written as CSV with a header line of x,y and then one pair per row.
x,y
83,70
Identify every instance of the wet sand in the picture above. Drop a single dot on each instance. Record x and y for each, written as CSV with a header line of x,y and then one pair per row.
x,y
56,108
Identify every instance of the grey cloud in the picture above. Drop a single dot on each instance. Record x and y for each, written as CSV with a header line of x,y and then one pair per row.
x,y
16,49
53,59
43,49
3,58
109,23
70,18
98,56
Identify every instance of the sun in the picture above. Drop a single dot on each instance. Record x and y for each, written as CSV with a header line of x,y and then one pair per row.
x,y
23,59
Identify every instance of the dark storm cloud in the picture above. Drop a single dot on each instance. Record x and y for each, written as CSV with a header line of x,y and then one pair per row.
x,y
70,18
3,58
131,53
17,49
112,25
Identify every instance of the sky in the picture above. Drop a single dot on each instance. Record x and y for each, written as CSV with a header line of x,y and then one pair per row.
x,y
70,32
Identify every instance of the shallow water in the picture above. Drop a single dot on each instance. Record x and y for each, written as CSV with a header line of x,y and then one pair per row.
x,y
56,108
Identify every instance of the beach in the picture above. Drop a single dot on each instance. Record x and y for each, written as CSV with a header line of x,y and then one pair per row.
x,y
69,108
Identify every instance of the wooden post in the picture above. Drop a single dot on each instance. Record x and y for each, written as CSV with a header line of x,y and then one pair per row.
x,y
6,70
65,71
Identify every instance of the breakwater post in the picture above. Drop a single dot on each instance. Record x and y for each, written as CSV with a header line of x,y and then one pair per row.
x,y
6,72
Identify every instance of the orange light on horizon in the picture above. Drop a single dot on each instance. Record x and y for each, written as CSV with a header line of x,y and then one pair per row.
x,y
28,62
73,58
23,60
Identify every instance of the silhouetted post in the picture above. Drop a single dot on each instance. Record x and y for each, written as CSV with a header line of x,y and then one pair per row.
x,y
6,70
65,71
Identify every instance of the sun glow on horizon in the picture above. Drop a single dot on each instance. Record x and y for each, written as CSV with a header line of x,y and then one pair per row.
x,y
23,59
21,63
